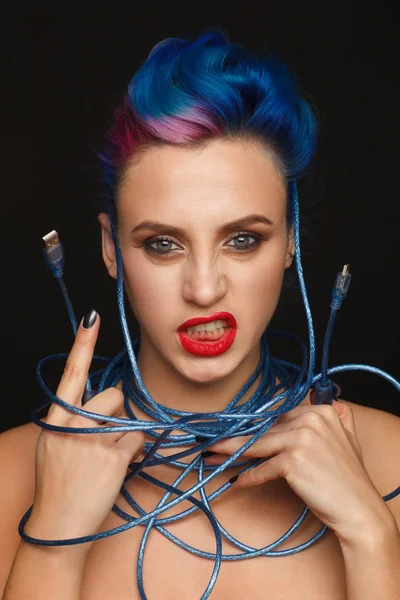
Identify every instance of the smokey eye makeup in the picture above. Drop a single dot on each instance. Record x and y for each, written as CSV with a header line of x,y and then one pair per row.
x,y
162,245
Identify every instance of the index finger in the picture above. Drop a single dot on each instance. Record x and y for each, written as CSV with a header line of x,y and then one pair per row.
x,y
73,380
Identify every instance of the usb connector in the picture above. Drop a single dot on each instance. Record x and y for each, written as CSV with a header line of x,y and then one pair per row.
x,y
341,287
51,240
53,253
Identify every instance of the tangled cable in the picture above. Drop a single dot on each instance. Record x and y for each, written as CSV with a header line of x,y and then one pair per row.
x,y
252,418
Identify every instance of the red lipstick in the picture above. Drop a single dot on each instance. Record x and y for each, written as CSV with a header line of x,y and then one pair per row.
x,y
208,347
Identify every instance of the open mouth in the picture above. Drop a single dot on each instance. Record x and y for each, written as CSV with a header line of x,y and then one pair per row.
x,y
208,331
208,336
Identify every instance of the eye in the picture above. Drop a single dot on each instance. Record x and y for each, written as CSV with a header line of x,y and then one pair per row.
x,y
160,245
242,243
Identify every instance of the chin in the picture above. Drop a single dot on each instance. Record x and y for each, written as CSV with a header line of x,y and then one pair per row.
x,y
206,370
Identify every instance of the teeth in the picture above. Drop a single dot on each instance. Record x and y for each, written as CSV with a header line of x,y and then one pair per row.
x,y
212,327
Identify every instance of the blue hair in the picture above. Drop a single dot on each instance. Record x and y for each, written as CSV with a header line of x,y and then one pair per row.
x,y
190,92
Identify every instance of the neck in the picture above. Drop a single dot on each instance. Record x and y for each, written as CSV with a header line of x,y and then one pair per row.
x,y
168,388
171,389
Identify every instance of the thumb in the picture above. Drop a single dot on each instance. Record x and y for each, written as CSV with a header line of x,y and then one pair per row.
x,y
346,415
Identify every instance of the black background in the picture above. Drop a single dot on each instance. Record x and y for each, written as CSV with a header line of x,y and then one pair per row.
x,y
62,74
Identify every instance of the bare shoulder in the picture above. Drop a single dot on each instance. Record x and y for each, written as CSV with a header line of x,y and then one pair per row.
x,y
17,486
17,457
378,433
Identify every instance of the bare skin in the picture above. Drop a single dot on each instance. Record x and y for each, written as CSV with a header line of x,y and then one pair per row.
x,y
258,516
196,191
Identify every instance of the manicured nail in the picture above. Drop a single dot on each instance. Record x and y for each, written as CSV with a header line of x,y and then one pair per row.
x,y
88,395
207,453
233,479
89,319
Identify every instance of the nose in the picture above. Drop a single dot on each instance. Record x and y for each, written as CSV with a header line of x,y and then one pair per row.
x,y
203,283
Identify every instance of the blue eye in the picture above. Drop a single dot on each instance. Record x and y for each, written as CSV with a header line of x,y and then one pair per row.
x,y
162,245
242,240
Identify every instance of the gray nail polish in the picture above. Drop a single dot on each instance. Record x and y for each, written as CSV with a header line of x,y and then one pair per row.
x,y
89,319
207,453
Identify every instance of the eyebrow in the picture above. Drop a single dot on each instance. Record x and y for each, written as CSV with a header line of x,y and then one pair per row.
x,y
223,229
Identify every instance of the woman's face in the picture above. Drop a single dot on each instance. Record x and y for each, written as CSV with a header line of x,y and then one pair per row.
x,y
184,255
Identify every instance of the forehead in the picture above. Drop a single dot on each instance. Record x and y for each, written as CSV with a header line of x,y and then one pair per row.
x,y
223,175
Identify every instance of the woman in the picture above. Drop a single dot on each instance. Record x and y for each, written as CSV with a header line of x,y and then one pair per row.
x,y
202,164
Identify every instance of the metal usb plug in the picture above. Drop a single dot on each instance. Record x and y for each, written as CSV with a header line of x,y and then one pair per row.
x,y
53,253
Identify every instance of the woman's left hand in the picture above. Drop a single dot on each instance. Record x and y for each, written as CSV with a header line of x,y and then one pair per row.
x,y
316,449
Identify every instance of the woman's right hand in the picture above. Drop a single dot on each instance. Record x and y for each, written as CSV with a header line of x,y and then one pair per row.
x,y
78,476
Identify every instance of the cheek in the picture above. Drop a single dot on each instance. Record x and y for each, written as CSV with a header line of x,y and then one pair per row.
x,y
152,291
265,272
259,287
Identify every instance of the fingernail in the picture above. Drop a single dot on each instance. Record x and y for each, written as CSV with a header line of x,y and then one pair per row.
x,y
207,453
89,319
199,439
233,479
88,395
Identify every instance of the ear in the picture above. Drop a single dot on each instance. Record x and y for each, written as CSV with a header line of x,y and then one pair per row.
x,y
290,248
107,243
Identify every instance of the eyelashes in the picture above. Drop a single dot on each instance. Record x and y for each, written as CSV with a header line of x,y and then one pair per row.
x,y
161,245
